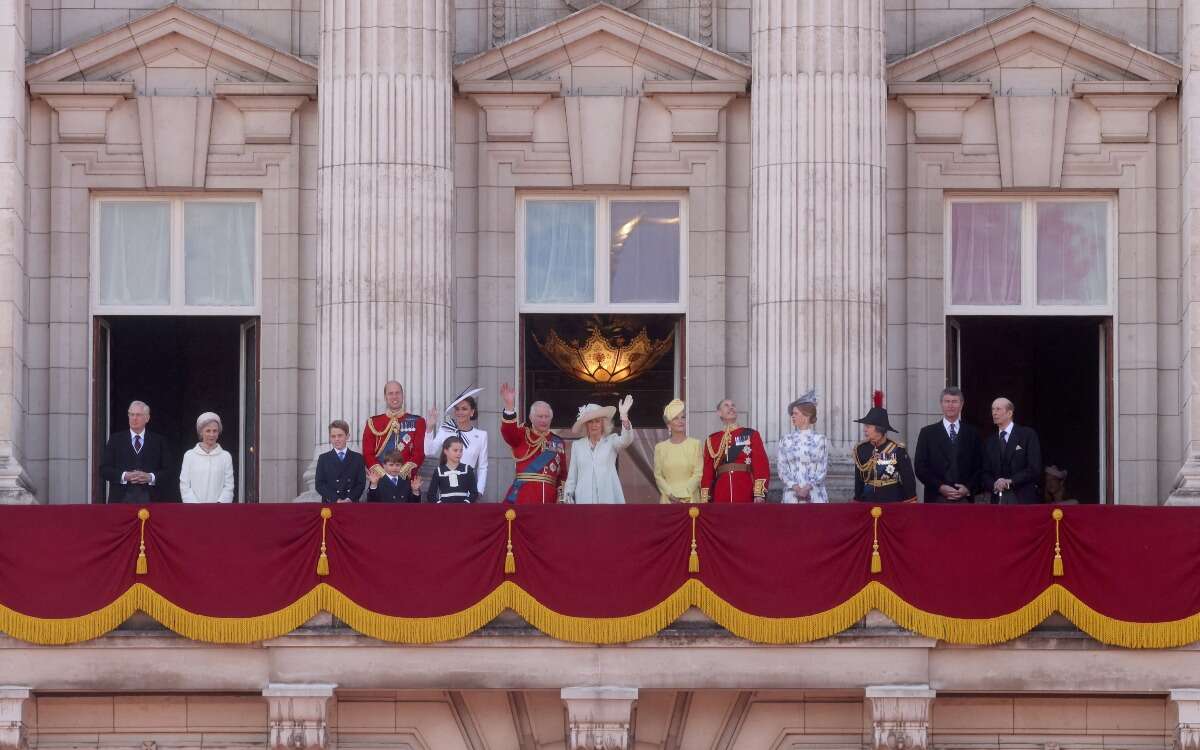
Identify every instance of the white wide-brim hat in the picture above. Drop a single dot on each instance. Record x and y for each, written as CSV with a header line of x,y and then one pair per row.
x,y
588,412
462,397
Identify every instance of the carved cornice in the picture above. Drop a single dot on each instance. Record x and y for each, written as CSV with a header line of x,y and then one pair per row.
x,y
599,718
296,716
901,716
14,706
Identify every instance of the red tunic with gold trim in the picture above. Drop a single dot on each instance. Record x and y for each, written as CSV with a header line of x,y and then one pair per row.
x,y
736,468
541,460
385,433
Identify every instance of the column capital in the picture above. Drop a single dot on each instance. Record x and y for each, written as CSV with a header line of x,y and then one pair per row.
x,y
296,715
901,715
1187,726
599,718
14,707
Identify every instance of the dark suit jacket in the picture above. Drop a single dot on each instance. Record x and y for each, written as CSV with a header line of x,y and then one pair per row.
x,y
1019,460
938,461
341,480
119,458
386,492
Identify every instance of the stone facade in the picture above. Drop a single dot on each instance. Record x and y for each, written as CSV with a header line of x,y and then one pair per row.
x,y
389,215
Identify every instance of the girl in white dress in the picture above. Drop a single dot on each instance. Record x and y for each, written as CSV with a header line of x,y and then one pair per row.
x,y
459,422
592,476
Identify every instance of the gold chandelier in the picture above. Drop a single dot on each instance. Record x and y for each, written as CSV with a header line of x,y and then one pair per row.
x,y
604,361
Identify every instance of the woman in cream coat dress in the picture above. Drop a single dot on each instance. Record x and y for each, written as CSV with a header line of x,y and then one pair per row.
x,y
207,472
592,476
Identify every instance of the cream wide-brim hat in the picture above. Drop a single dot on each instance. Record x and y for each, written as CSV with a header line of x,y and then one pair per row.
x,y
588,412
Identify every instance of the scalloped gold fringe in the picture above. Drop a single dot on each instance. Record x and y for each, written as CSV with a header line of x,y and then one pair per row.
x,y
599,630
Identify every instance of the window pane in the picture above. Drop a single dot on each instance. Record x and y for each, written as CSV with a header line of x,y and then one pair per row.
x,y
135,253
985,254
644,251
560,243
1072,253
218,250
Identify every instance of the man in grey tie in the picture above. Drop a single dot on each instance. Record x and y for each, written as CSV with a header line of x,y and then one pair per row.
x,y
949,454
1012,459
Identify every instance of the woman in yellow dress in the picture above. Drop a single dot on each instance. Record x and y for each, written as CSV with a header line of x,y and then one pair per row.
x,y
677,460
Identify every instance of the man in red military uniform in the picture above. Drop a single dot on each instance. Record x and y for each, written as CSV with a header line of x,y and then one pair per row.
x,y
394,430
540,455
736,468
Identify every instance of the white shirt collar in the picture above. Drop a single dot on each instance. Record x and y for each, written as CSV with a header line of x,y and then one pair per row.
x,y
957,424
1007,430
141,434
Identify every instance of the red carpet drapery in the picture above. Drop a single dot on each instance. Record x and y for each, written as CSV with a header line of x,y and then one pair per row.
x,y
600,574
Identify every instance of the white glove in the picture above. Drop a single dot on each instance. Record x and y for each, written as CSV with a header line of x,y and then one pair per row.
x,y
624,406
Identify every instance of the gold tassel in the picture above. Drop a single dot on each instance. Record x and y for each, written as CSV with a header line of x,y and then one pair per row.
x,y
323,560
510,562
876,560
693,557
142,567
1057,569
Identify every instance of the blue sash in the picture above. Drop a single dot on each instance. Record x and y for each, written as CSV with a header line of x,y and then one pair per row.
x,y
535,467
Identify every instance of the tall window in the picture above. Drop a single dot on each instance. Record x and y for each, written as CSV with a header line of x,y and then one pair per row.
x,y
1010,255
166,255
602,253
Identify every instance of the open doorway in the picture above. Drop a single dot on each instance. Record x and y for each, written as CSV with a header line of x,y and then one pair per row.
x,y
182,367
1057,372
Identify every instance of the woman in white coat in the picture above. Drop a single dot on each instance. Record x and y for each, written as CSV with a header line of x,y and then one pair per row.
x,y
592,476
459,422
207,473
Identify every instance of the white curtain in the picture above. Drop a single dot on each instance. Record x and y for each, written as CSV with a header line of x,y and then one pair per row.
x,y
135,253
218,241
986,254
1072,253
560,244
644,251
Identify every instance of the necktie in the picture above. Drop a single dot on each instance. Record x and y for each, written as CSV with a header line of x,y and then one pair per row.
x,y
1004,437
953,432
137,443
341,455
395,481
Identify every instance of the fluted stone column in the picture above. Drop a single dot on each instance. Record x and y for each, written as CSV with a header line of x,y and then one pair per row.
x,y
384,260
15,486
817,235
1187,482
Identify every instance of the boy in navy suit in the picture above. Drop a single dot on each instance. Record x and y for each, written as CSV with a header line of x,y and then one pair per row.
x,y
391,487
341,473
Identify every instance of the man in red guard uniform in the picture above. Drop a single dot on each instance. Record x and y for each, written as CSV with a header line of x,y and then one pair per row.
x,y
736,468
540,455
394,431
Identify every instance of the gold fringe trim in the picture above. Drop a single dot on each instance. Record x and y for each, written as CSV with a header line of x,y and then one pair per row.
x,y
601,630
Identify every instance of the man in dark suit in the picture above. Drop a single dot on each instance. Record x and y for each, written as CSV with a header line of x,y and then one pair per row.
x,y
135,462
341,473
1012,459
949,454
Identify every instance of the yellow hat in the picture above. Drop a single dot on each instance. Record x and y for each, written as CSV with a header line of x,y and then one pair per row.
x,y
672,410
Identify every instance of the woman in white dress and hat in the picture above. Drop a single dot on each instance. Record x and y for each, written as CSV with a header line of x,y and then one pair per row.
x,y
207,472
459,421
592,476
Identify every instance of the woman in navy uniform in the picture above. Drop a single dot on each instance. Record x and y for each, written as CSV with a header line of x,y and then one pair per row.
x,y
884,471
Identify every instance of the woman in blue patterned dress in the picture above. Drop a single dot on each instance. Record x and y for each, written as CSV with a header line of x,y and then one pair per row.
x,y
803,455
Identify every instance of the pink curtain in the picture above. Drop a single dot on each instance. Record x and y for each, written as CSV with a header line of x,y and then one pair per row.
x,y
1072,265
985,254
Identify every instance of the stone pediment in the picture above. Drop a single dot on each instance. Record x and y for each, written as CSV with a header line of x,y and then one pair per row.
x,y
603,50
1032,51
171,51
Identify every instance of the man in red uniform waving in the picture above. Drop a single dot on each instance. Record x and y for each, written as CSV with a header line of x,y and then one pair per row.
x,y
540,455
736,469
394,430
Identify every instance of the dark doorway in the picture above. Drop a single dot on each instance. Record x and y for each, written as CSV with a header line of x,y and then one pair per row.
x,y
1051,369
182,367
